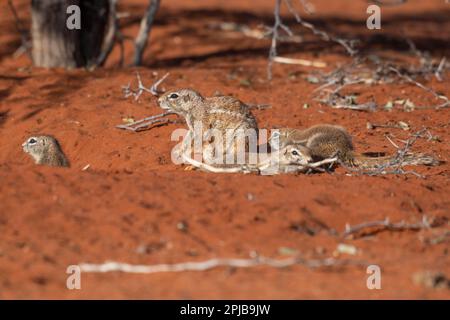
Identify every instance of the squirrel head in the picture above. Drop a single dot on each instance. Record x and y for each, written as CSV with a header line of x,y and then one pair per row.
x,y
295,154
180,101
40,146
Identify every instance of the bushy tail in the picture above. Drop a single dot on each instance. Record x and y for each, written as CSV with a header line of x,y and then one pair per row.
x,y
409,159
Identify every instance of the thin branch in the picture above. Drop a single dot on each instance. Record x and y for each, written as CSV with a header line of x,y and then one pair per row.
x,y
302,62
403,157
215,263
369,71
440,68
443,237
154,88
24,36
275,35
387,225
144,31
111,35
278,25
347,44
127,91
388,3
260,106
146,123
446,102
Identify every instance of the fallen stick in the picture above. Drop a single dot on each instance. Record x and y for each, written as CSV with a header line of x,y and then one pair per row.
x,y
386,224
213,263
146,122
261,167
303,62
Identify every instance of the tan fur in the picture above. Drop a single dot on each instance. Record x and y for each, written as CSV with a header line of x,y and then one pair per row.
x,y
326,141
288,159
323,141
224,114
45,150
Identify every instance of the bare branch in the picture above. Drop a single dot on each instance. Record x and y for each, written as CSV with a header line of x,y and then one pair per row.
x,y
215,263
387,225
347,44
144,31
146,123
154,88
275,34
446,102
24,36
372,70
127,91
389,3
440,68
403,158
111,35
274,31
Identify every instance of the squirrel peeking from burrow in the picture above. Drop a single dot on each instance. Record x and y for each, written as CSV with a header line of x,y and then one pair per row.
x,y
45,150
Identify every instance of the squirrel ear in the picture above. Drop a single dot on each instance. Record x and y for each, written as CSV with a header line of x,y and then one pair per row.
x,y
186,98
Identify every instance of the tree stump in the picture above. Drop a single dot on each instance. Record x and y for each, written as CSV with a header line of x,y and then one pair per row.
x,y
55,45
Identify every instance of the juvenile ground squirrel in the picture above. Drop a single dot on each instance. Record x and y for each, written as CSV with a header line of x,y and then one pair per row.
x,y
222,116
326,141
290,158
45,150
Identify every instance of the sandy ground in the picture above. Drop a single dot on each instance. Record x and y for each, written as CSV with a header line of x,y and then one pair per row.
x,y
129,204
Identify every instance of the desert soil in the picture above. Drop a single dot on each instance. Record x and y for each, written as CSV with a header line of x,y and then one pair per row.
x,y
129,204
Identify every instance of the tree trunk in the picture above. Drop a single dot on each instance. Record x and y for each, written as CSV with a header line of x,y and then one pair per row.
x,y
55,45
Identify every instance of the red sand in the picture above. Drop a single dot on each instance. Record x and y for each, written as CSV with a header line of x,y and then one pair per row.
x,y
127,205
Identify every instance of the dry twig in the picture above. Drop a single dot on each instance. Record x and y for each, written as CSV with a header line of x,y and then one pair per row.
x,y
446,102
403,157
214,263
347,44
278,26
387,225
302,62
148,122
369,71
127,91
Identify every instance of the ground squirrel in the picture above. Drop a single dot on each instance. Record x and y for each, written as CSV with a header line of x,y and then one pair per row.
x,y
45,150
290,158
327,141
225,115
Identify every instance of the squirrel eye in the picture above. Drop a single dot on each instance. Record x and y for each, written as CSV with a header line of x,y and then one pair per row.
x,y
173,96
32,141
294,152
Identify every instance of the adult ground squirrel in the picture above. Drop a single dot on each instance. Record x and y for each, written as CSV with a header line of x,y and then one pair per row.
x,y
223,117
45,150
327,141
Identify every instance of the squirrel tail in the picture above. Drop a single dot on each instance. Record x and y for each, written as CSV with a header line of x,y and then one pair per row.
x,y
409,159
